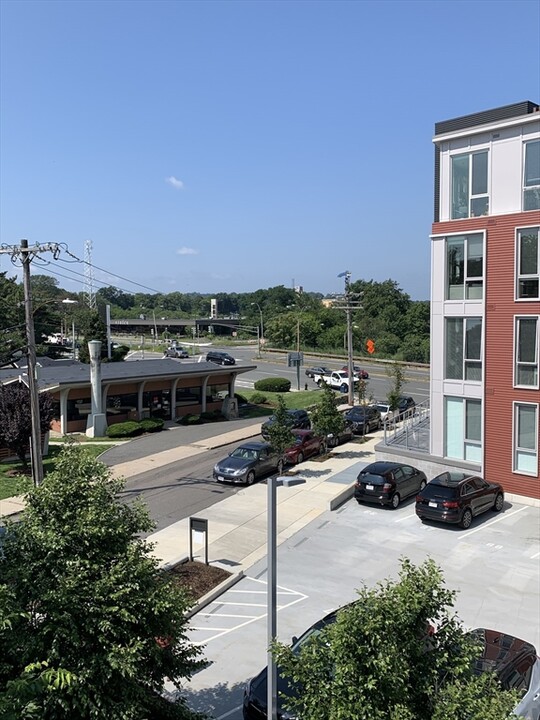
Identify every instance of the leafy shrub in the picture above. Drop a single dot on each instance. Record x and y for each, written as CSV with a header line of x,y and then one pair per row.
x,y
211,415
273,384
258,398
190,420
125,429
152,424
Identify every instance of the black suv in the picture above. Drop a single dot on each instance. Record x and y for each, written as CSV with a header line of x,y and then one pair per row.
x,y
388,483
220,358
364,419
456,497
297,419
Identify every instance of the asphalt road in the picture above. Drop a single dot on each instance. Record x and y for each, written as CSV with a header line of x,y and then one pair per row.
x,y
182,489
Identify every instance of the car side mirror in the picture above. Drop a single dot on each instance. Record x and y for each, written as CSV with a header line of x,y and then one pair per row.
x,y
294,640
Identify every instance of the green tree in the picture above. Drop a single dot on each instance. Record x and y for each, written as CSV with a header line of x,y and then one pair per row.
x,y
326,418
90,628
397,375
380,661
279,431
92,327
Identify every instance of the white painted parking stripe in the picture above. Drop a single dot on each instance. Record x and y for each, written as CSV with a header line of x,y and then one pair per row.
x,y
533,557
407,517
489,524
285,596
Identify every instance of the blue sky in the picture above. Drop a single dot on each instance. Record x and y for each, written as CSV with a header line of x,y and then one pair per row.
x,y
230,146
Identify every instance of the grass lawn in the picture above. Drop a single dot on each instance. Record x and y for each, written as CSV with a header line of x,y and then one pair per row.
x,y
11,484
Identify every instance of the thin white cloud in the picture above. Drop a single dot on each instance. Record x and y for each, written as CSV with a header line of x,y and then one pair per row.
x,y
187,251
175,182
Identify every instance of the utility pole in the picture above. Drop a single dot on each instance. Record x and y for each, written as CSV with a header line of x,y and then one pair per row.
x,y
351,303
26,254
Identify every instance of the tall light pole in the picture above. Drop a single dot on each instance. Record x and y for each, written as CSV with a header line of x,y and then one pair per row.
x,y
261,337
68,301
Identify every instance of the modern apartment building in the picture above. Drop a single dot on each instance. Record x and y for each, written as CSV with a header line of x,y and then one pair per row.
x,y
485,296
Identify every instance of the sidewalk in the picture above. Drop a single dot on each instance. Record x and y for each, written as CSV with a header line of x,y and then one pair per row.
x,y
237,525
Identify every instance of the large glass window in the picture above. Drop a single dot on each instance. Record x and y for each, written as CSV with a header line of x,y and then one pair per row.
x,y
526,438
470,185
526,352
531,176
463,429
464,349
528,264
465,267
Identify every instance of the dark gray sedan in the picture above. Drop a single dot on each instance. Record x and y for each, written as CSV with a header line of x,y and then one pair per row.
x,y
247,463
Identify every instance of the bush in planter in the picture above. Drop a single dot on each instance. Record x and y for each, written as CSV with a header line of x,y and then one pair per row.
x,y
273,384
258,398
130,428
152,424
190,420
211,415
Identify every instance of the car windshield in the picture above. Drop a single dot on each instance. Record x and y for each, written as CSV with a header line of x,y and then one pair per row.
x,y
383,408
244,453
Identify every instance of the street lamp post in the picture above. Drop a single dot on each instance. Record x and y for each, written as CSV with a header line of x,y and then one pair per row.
x,y
261,336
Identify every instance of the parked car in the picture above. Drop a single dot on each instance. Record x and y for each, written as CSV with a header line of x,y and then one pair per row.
x,y
307,444
357,370
516,665
345,435
388,483
176,351
247,463
405,404
297,419
457,497
364,419
319,370
254,706
386,412
220,358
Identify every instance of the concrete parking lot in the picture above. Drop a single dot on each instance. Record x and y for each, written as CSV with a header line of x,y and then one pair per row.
x,y
494,566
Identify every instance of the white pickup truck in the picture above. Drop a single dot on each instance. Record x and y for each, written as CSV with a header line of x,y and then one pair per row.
x,y
338,380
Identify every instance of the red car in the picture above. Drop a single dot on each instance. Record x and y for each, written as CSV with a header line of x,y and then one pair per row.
x,y
363,374
307,444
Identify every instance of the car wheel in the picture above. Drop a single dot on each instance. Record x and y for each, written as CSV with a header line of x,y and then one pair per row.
x,y
344,388
299,458
320,383
466,520
499,502
395,500
422,486
250,479
379,425
280,467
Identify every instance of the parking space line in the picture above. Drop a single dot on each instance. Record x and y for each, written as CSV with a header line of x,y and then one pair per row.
x,y
407,517
533,557
501,517
212,615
